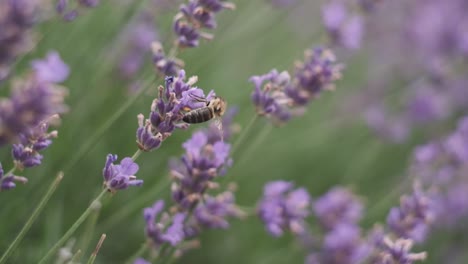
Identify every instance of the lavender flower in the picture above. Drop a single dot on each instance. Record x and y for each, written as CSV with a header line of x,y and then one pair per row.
x,y
167,229
33,100
194,174
345,29
283,208
51,69
195,15
138,40
16,20
344,245
315,74
26,152
270,98
141,261
121,176
413,218
166,66
69,14
387,251
338,206
167,111
213,211
9,181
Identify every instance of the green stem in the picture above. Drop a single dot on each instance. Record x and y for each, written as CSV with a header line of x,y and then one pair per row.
x,y
31,219
243,136
137,154
93,256
140,252
76,257
73,228
89,229
11,171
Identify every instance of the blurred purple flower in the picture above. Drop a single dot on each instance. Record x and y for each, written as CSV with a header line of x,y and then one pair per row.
x,y
51,69
121,176
345,29
338,206
214,211
269,96
31,102
17,17
387,251
138,39
283,208
165,230
413,217
342,245
9,181
141,261
193,16
316,74
166,66
194,174
26,152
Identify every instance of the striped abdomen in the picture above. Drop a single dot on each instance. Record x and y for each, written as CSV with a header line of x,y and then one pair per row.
x,y
199,115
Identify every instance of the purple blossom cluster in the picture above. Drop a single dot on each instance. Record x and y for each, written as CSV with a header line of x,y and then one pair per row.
x,y
165,65
427,39
441,167
195,16
283,208
339,212
34,99
388,251
16,38
138,38
345,27
8,181
282,96
70,9
167,111
120,176
195,209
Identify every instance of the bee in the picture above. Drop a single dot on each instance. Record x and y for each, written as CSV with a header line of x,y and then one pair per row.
x,y
214,109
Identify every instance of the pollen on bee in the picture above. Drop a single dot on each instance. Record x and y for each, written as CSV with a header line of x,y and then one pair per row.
x,y
186,108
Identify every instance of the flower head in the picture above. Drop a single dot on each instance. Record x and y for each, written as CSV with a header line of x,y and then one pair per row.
x,y
413,217
214,211
338,206
195,15
51,69
32,101
284,208
203,161
317,73
168,229
269,96
9,181
121,176
167,111
387,251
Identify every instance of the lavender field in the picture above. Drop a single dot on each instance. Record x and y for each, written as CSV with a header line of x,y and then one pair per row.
x,y
212,131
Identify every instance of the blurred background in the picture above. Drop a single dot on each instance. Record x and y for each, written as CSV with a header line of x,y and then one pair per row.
x,y
344,138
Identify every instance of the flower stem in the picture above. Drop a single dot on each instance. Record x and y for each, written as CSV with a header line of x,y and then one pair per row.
x,y
244,134
33,217
137,254
11,171
73,228
76,257
137,154
89,229
96,250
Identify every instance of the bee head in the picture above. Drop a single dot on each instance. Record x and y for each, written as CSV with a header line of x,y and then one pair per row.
x,y
219,105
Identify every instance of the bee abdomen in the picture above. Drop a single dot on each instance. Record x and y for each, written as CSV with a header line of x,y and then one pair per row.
x,y
198,116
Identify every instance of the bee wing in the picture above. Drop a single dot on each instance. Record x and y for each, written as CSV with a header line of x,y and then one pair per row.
x,y
197,98
218,122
